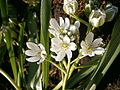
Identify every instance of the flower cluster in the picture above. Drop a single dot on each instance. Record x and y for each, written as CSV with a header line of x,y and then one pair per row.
x,y
64,28
63,36
62,48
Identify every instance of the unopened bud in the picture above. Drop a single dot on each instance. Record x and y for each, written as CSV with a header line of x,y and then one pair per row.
x,y
110,11
70,6
97,18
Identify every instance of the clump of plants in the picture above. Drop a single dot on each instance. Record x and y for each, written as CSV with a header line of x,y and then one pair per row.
x,y
40,42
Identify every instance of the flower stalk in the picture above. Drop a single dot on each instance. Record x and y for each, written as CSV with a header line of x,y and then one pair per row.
x,y
81,20
9,79
66,76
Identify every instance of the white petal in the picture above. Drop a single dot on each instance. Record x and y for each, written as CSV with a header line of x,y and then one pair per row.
x,y
32,59
53,56
73,28
89,38
69,54
66,39
55,49
97,42
61,21
54,32
60,56
55,41
99,51
73,46
40,61
30,53
32,46
41,46
77,24
91,54
83,45
84,53
95,22
54,24
67,23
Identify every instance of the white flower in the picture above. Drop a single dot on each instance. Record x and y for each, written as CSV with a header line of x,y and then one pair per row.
x,y
36,52
90,47
56,29
70,6
64,28
97,18
62,48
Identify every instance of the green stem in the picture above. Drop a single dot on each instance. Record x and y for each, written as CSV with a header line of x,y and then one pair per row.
x,y
57,66
80,20
61,65
21,55
66,76
76,62
10,79
58,85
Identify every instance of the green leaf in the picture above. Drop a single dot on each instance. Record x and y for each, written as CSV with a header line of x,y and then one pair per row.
x,y
87,69
33,67
35,77
112,50
44,36
32,25
2,53
79,76
4,15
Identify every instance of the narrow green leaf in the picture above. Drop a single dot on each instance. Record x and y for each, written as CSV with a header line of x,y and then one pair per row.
x,y
32,25
2,53
35,80
33,67
87,69
78,76
44,36
4,15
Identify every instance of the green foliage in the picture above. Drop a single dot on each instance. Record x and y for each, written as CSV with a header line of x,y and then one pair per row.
x,y
44,36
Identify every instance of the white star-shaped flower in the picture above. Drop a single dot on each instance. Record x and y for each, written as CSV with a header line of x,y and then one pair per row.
x,y
91,47
64,28
36,52
57,29
62,48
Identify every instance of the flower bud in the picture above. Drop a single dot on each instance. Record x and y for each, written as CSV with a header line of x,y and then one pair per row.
x,y
97,18
70,6
110,11
87,9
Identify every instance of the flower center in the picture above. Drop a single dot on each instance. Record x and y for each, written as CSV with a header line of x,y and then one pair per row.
x,y
64,45
90,48
39,53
